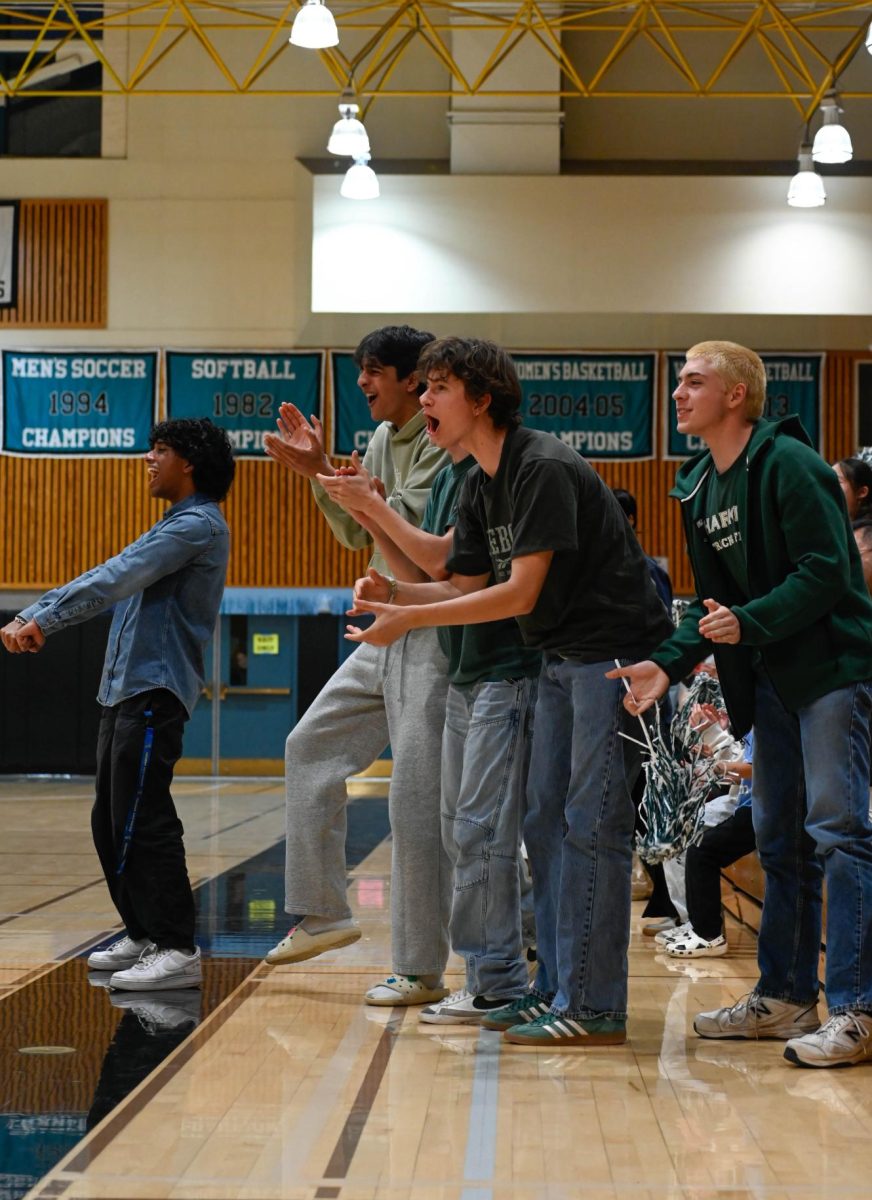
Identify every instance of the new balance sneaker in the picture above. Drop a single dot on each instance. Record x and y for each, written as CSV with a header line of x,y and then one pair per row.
x,y
123,952
299,944
756,1016
518,1012
160,970
665,936
550,1029
402,990
460,1008
691,945
841,1041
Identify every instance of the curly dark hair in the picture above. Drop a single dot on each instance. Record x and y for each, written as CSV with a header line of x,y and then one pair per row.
x,y
395,346
484,369
205,446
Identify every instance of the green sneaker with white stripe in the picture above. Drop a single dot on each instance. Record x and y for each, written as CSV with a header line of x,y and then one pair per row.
x,y
550,1029
521,1010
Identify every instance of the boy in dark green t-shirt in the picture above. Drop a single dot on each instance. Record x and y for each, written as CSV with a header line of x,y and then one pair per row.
x,y
485,747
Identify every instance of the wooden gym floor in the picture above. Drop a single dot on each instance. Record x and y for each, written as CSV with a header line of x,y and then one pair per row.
x,y
280,1084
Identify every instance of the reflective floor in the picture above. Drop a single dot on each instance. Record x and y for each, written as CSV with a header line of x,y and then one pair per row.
x,y
280,1083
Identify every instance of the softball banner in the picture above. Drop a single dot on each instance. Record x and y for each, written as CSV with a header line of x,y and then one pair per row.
x,y
78,403
241,390
602,405
351,425
794,385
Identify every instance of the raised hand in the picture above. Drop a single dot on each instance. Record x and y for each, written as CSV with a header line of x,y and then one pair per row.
x,y
648,683
299,444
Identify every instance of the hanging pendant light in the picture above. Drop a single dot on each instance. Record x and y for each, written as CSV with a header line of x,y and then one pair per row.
x,y
314,27
806,187
349,137
361,181
832,143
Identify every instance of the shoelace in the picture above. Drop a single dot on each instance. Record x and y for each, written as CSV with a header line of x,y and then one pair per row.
x,y
456,997
842,1021
148,960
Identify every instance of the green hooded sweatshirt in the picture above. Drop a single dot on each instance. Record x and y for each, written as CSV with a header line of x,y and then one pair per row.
x,y
808,620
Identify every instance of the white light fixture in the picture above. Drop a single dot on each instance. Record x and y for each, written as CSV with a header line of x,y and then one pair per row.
x,y
832,143
806,187
349,137
361,181
314,27
869,38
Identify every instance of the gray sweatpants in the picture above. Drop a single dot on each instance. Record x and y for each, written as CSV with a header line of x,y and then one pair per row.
x,y
387,694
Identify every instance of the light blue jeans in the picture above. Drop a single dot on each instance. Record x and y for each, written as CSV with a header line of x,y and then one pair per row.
x,y
811,820
579,836
485,756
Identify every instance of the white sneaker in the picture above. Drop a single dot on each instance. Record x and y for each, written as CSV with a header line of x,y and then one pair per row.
x,y
460,1008
756,1016
841,1041
668,935
399,990
691,945
299,944
160,970
123,952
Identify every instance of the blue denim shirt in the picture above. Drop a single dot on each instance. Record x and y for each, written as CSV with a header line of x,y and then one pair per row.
x,y
166,587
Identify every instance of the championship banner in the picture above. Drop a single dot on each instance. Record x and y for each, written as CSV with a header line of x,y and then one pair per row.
x,y
794,386
602,405
8,253
241,390
78,403
351,425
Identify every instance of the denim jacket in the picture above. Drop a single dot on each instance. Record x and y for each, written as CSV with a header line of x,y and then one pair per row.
x,y
166,587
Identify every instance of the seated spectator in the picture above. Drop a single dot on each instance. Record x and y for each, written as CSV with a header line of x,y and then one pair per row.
x,y
855,479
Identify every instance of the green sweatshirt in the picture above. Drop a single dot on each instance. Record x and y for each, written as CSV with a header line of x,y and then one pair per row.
x,y
407,463
808,617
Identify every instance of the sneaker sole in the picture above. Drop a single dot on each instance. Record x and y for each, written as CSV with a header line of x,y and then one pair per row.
x,y
792,1057
163,985
451,1018
759,1035
586,1039
432,997
117,964
346,938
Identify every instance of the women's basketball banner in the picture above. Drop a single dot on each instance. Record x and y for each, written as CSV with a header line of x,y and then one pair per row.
x,y
794,386
80,403
241,390
602,405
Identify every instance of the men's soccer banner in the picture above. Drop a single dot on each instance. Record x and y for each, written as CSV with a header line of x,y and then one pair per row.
x,y
82,403
241,390
794,386
602,405
350,421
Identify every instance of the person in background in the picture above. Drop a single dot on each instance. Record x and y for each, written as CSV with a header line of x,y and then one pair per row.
x,y
166,588
855,480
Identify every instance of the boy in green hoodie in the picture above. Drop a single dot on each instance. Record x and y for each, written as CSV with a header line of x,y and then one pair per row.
x,y
782,602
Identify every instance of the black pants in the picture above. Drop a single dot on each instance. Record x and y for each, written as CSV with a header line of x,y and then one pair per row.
x,y
721,845
151,890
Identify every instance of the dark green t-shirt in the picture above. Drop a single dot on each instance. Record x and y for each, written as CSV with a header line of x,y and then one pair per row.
x,y
598,601
476,653
722,525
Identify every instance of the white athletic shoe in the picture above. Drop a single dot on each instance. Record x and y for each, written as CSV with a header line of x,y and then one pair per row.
x,y
123,952
841,1041
669,935
460,1008
756,1016
160,970
163,1012
299,944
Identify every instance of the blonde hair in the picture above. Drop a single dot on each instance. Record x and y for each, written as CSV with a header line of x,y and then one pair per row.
x,y
736,364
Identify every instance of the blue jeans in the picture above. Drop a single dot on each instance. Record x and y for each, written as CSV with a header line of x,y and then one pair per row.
x,y
579,836
811,820
485,756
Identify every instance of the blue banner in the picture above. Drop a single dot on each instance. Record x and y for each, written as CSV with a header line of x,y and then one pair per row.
x,y
241,390
78,403
602,405
794,386
351,425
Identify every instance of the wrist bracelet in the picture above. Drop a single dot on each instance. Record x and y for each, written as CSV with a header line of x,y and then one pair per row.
x,y
21,620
